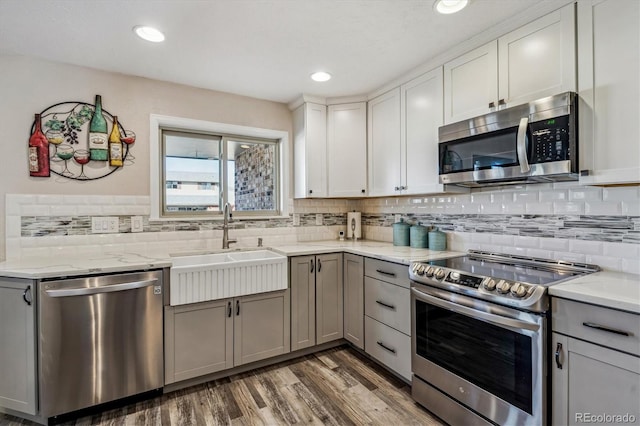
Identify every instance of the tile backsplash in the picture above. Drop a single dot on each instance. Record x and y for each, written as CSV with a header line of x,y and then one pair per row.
x,y
561,221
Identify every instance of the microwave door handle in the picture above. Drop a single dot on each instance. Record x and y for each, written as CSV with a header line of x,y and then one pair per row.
x,y
521,145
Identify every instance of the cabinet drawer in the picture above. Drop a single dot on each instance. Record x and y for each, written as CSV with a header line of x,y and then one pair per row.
x,y
580,320
393,273
388,304
388,346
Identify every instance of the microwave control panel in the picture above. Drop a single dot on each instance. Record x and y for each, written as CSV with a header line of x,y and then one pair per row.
x,y
550,140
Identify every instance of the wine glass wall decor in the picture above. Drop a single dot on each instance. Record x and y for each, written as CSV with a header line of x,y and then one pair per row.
x,y
86,133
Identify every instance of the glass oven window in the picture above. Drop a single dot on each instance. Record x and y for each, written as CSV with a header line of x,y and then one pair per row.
x,y
497,149
493,358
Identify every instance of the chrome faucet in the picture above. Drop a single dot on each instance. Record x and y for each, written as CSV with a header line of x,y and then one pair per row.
x,y
225,227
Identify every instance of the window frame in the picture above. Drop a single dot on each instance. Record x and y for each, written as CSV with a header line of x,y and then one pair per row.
x,y
230,131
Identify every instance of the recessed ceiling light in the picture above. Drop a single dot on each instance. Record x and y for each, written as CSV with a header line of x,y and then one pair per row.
x,y
245,146
148,33
320,76
447,7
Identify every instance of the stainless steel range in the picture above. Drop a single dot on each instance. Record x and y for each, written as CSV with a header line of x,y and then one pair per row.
x,y
479,336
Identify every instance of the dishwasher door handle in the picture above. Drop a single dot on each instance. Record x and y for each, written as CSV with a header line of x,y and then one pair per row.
x,y
86,291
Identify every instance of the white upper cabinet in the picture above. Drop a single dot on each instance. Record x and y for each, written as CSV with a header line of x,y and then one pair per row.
x,y
532,62
421,115
310,150
471,83
383,144
609,87
347,150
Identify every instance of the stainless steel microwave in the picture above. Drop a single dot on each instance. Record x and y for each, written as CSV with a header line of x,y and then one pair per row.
x,y
529,143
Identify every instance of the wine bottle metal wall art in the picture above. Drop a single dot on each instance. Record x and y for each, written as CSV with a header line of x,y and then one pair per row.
x,y
78,140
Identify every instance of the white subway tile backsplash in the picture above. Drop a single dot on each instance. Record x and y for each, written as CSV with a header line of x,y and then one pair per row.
x,y
491,208
631,266
585,194
526,242
569,257
539,208
526,197
621,193
605,262
35,210
622,250
514,208
554,195
586,247
482,198
541,254
631,208
606,208
572,208
554,244
63,210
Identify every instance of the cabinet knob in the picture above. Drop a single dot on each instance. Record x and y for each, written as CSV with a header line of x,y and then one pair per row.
x,y
397,188
310,191
492,105
363,191
502,104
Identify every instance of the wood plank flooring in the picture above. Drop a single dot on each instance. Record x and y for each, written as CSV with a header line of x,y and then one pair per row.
x,y
338,386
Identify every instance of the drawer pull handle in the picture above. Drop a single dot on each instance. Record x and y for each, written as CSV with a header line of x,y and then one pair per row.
x,y
390,274
609,329
26,299
393,351
386,305
558,349
229,312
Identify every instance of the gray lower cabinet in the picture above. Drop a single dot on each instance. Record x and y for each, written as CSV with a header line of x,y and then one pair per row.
x,y
316,284
354,299
17,345
203,338
387,320
595,364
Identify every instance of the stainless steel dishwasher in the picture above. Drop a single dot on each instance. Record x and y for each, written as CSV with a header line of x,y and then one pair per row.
x,y
100,339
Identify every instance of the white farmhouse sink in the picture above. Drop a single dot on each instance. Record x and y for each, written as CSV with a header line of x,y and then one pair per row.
x,y
199,278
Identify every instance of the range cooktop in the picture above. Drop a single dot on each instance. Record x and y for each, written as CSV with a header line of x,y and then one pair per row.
x,y
507,279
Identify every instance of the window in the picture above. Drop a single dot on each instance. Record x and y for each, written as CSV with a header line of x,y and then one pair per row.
x,y
203,171
204,135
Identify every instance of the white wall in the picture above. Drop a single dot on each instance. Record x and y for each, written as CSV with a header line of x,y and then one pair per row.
x,y
29,85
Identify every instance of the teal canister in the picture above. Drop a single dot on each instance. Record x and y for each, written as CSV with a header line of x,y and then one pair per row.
x,y
400,233
437,240
418,236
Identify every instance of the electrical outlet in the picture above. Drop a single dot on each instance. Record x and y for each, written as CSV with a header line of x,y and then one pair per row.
x,y
137,224
296,219
105,225
319,219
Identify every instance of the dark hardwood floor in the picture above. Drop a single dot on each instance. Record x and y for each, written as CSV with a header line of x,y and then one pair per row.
x,y
335,387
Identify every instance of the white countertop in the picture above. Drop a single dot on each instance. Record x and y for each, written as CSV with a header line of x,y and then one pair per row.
x,y
610,289
57,266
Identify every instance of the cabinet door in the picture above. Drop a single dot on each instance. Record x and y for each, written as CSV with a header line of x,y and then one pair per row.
x,y
303,301
17,345
383,144
608,84
262,325
471,83
422,110
538,59
354,299
592,381
310,150
198,339
329,298
347,150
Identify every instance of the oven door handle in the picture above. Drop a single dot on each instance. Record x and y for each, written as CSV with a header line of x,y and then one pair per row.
x,y
504,322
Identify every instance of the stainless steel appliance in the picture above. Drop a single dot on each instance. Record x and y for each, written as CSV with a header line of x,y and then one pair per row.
x,y
534,142
479,336
100,339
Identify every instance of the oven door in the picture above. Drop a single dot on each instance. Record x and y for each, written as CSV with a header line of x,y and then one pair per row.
x,y
485,356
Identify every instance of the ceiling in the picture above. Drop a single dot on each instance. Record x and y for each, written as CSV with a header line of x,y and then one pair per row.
x,y
260,48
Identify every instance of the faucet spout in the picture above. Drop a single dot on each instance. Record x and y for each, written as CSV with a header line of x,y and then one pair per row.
x,y
226,213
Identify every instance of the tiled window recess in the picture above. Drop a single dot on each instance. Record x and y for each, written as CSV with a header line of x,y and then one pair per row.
x,y
560,221
254,178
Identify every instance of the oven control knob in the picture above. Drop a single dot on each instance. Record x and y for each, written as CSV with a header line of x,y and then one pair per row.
x,y
503,286
440,273
415,267
518,290
489,284
430,271
455,276
421,269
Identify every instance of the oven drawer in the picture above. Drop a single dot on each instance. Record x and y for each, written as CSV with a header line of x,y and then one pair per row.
x,y
393,273
597,324
388,346
388,304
